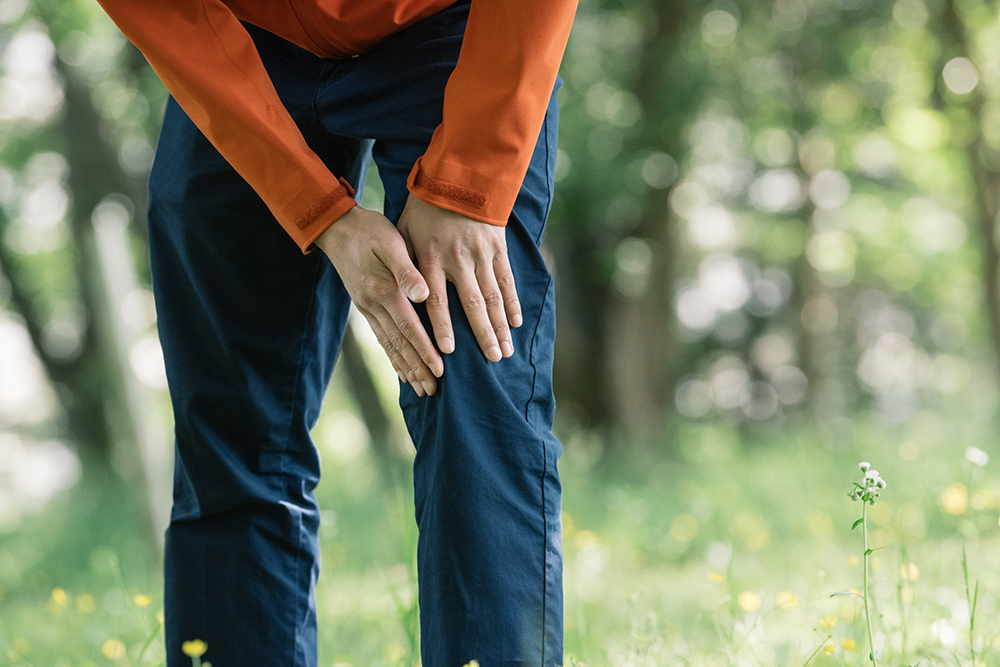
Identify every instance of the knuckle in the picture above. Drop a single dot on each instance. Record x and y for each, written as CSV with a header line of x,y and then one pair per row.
x,y
473,301
493,299
430,257
458,252
407,329
437,299
506,280
487,334
396,340
406,277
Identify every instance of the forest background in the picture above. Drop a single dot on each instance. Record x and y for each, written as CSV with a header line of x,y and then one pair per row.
x,y
775,248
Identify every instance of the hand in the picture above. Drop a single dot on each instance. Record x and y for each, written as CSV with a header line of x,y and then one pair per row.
x,y
372,260
473,255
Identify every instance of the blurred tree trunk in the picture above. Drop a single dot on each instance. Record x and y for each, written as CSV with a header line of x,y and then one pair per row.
x,y
615,353
385,435
985,179
638,338
95,386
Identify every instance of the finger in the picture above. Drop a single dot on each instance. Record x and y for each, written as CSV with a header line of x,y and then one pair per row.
x,y
398,363
393,254
505,279
399,339
437,306
474,305
405,321
493,299
395,313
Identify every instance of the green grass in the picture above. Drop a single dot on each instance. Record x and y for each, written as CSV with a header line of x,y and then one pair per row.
x,y
723,547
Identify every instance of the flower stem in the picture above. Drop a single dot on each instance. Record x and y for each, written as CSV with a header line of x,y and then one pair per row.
x,y
868,614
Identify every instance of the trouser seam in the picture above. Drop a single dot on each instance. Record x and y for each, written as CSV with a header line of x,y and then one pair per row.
x,y
545,470
299,606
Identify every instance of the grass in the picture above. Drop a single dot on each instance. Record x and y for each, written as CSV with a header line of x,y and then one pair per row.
x,y
721,548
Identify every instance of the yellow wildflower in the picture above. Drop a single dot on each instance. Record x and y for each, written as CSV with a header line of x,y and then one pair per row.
x,y
748,601
59,597
786,599
585,539
86,604
142,600
194,648
954,499
159,617
471,663
394,652
58,601
828,622
829,647
849,644
715,576
113,649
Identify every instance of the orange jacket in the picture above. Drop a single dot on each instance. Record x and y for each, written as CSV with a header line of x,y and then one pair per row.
x,y
494,103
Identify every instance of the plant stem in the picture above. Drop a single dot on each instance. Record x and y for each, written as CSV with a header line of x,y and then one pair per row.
x,y
868,613
971,600
816,650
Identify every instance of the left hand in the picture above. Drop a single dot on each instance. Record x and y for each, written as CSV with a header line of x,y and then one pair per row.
x,y
448,246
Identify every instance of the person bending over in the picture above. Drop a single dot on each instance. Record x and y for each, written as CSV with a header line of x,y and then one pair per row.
x,y
275,110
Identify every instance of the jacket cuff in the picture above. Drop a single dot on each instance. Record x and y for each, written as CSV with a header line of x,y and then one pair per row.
x,y
461,190
315,220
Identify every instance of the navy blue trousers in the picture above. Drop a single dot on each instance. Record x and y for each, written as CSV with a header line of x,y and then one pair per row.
x,y
251,329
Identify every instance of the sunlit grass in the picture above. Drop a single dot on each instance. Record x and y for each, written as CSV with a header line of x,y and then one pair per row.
x,y
721,549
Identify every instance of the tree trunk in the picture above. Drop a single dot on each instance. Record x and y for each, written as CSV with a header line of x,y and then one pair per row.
x,y
385,436
638,338
987,181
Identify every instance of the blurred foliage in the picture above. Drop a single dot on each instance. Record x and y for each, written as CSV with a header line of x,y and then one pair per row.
x,y
828,237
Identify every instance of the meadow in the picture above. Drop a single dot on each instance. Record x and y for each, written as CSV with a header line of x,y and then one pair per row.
x,y
724,546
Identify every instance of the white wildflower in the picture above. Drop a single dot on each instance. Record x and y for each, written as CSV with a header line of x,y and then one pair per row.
x,y
864,466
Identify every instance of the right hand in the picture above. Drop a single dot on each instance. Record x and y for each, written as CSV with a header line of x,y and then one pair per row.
x,y
372,260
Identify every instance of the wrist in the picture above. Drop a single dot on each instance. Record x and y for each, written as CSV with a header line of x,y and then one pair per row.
x,y
330,238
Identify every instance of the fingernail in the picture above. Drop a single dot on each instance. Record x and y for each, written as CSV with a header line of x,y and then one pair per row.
x,y
418,388
427,388
418,293
516,320
447,345
402,378
493,354
507,348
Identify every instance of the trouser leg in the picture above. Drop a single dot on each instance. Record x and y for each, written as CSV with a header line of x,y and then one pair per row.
x,y
250,330
486,486
487,490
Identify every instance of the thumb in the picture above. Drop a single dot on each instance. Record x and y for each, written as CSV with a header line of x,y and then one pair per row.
x,y
397,260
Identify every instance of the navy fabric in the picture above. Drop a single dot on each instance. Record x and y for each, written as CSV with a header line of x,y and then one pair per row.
x,y
251,329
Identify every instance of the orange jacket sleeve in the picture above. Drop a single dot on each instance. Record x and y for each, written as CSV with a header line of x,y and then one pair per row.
x,y
209,63
494,107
